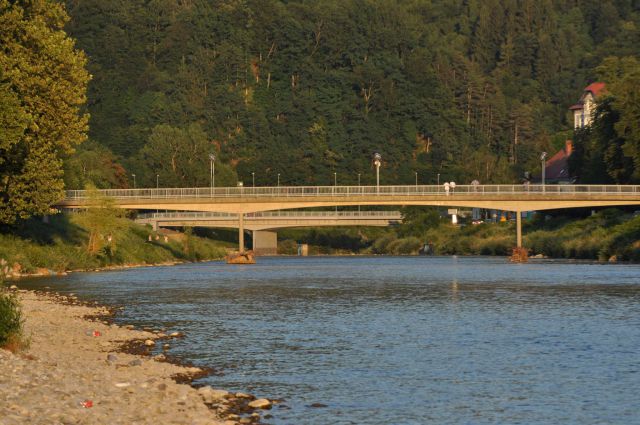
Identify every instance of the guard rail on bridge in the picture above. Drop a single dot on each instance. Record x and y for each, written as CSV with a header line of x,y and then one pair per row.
x,y
346,191
274,214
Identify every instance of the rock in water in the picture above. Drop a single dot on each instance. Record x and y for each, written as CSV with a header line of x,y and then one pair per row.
x,y
149,343
261,403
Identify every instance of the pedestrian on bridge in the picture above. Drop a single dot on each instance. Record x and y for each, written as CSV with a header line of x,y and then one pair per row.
x,y
446,188
453,186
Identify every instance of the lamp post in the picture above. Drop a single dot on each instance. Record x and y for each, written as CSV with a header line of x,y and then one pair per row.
x,y
157,187
377,161
278,179
335,183
212,160
543,157
438,179
416,178
253,179
360,191
134,180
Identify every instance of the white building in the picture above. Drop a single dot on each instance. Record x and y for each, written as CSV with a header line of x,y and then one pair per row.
x,y
583,110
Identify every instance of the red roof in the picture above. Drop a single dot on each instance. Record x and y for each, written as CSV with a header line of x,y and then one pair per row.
x,y
596,88
557,167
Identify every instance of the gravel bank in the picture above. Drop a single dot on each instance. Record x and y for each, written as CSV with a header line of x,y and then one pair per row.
x,y
73,374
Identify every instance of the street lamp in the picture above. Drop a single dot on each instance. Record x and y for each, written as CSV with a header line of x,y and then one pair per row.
x,y
416,178
134,180
278,179
543,157
377,161
157,181
253,179
360,191
212,160
335,183
438,179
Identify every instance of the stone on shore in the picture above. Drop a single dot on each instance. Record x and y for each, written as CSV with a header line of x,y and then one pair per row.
x,y
149,343
62,369
210,395
261,403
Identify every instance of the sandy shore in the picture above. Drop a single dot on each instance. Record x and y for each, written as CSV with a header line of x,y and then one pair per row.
x,y
74,372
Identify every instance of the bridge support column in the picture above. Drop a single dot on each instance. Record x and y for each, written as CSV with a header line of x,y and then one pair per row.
x,y
155,225
265,243
241,232
519,229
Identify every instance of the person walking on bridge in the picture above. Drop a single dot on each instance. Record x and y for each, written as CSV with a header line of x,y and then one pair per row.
x,y
446,188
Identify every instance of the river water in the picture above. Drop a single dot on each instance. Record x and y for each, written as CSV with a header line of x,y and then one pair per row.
x,y
399,340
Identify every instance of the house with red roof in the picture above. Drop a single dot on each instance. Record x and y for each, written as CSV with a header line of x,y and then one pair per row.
x,y
557,167
583,110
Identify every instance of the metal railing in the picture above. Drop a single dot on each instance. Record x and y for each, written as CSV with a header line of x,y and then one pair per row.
x,y
352,191
274,214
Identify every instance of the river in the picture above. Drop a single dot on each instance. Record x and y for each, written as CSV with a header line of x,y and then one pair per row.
x,y
399,340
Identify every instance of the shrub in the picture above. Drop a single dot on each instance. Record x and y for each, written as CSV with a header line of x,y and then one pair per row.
x,y
10,321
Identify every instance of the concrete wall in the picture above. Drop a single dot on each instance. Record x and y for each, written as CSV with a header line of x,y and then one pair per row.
x,y
265,243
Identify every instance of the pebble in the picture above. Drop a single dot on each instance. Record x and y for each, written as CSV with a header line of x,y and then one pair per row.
x,y
244,395
261,403
62,368
149,343
210,395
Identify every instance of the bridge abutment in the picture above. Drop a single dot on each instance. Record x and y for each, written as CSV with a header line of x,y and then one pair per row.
x,y
265,243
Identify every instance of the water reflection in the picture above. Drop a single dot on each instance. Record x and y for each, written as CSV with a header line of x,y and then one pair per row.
x,y
401,340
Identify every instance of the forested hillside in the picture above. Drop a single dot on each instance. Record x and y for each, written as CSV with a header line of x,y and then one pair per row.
x,y
465,88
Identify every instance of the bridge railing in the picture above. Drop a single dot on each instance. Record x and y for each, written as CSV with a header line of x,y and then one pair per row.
x,y
274,214
351,191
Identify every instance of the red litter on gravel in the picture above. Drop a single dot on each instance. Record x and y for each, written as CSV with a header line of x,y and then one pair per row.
x,y
97,333
87,404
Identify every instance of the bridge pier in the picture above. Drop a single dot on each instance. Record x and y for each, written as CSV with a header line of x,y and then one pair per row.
x,y
265,243
519,229
241,232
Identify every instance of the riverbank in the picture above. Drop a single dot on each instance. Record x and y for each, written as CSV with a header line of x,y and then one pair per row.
x,y
76,371
609,235
65,244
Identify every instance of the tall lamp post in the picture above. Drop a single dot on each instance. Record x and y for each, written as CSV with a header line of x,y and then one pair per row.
x,y
134,180
278,179
157,187
438,179
253,179
212,161
543,157
335,183
377,161
416,178
360,190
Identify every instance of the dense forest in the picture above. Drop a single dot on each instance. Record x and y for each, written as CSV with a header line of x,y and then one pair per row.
x,y
465,88
305,89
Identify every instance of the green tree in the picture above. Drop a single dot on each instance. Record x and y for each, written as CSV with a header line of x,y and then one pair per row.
x,y
42,72
180,158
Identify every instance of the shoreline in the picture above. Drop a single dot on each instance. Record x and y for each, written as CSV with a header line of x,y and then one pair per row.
x,y
81,368
44,272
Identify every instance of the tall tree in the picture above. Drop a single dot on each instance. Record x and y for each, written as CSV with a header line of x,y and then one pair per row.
x,y
44,79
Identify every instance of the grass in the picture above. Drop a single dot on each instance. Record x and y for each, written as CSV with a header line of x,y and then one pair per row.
x,y
608,234
62,244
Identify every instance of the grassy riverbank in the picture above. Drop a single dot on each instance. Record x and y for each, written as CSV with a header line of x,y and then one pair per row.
x,y
64,244
609,234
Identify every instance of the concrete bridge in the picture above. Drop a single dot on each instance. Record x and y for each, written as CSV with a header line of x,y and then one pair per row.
x,y
243,200
263,224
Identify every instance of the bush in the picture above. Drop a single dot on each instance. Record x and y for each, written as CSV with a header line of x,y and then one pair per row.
x,y
10,321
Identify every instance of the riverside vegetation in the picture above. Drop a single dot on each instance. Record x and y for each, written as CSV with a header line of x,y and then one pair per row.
x,y
610,234
66,243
